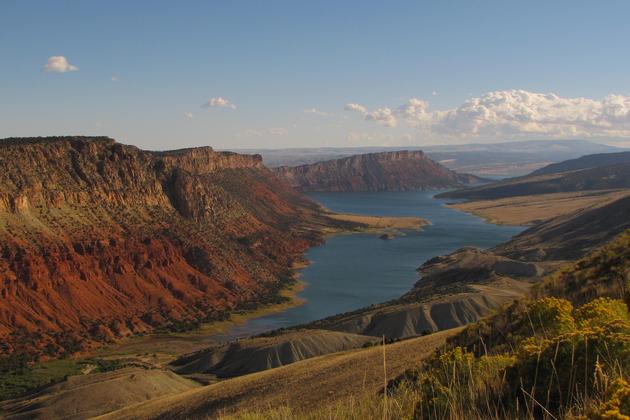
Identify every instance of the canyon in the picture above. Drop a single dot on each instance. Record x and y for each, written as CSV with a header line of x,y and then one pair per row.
x,y
101,240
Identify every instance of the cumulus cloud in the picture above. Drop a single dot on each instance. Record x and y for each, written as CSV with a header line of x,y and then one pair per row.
x,y
414,110
513,114
59,64
384,116
219,102
356,108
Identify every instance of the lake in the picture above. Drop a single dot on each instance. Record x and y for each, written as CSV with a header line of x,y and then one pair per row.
x,y
355,270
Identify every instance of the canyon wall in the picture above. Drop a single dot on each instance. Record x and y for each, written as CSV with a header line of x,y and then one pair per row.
x,y
100,240
387,171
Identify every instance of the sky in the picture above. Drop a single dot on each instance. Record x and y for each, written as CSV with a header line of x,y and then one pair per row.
x,y
276,74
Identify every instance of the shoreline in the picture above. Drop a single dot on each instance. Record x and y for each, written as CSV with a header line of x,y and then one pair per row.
x,y
170,345
167,346
371,224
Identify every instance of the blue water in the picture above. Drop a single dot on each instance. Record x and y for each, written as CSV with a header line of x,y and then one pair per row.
x,y
352,271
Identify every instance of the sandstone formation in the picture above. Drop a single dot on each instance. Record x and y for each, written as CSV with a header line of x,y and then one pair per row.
x,y
387,171
100,240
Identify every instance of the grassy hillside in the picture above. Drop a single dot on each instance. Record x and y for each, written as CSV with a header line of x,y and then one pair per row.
x,y
584,162
563,352
598,178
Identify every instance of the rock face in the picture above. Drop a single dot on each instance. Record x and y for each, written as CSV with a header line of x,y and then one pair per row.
x,y
100,239
387,171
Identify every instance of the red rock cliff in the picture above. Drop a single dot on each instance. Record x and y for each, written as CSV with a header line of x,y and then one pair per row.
x,y
387,171
100,239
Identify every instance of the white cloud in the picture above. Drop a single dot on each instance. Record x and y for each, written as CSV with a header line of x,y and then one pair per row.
x,y
355,108
114,78
384,116
315,111
189,115
503,115
414,110
219,102
59,64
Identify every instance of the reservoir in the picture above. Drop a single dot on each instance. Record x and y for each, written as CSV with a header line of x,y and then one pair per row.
x,y
355,270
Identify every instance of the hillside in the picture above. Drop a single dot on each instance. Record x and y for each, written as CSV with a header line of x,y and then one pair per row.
x,y
560,352
585,162
78,397
387,171
102,240
599,178
570,236
532,209
267,352
306,386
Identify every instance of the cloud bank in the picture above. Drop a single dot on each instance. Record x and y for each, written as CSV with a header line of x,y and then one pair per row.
x,y
219,102
59,64
511,114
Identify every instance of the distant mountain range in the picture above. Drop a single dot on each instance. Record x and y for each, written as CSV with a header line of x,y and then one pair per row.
x,y
497,160
385,171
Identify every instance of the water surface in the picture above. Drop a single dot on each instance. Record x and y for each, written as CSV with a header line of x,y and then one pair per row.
x,y
352,271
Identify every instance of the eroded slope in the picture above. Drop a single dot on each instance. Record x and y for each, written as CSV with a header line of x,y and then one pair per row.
x,y
100,240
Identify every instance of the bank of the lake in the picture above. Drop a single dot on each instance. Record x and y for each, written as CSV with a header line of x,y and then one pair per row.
x,y
352,271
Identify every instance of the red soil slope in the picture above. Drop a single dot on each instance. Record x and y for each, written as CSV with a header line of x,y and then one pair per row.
x,y
100,239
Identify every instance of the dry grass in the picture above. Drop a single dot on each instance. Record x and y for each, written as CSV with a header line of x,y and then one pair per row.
x,y
304,387
526,210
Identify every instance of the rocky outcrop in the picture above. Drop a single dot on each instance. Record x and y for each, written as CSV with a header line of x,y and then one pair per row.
x,y
100,240
387,171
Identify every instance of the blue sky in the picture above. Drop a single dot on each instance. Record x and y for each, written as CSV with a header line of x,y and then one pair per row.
x,y
320,73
